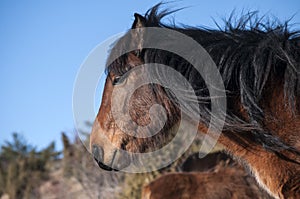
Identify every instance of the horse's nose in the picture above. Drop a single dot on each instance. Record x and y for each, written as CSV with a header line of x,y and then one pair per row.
x,y
114,160
97,152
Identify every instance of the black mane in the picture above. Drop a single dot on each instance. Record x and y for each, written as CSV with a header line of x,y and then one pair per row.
x,y
248,52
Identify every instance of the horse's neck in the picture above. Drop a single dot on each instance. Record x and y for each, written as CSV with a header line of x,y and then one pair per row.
x,y
279,177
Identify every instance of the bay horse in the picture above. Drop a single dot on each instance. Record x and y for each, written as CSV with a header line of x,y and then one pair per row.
x,y
259,62
226,183
216,175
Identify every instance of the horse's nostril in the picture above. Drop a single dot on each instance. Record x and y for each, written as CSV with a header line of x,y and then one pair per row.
x,y
98,156
114,160
97,153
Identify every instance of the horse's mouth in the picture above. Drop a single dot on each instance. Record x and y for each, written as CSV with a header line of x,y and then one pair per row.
x,y
105,167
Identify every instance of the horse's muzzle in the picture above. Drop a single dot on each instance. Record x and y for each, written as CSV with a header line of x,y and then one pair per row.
x,y
98,156
114,162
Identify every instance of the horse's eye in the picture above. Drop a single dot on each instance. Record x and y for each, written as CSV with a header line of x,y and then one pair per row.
x,y
116,80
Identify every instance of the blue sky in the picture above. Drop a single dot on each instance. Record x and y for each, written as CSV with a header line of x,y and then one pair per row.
x,y
43,43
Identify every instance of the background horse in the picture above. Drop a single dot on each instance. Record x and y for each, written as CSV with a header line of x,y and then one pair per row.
x,y
259,64
214,176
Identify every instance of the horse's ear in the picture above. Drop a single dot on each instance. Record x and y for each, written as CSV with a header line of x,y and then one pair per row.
x,y
138,34
139,21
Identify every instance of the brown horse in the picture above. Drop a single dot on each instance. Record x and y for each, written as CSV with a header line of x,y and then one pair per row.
x,y
260,66
217,176
225,184
229,183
